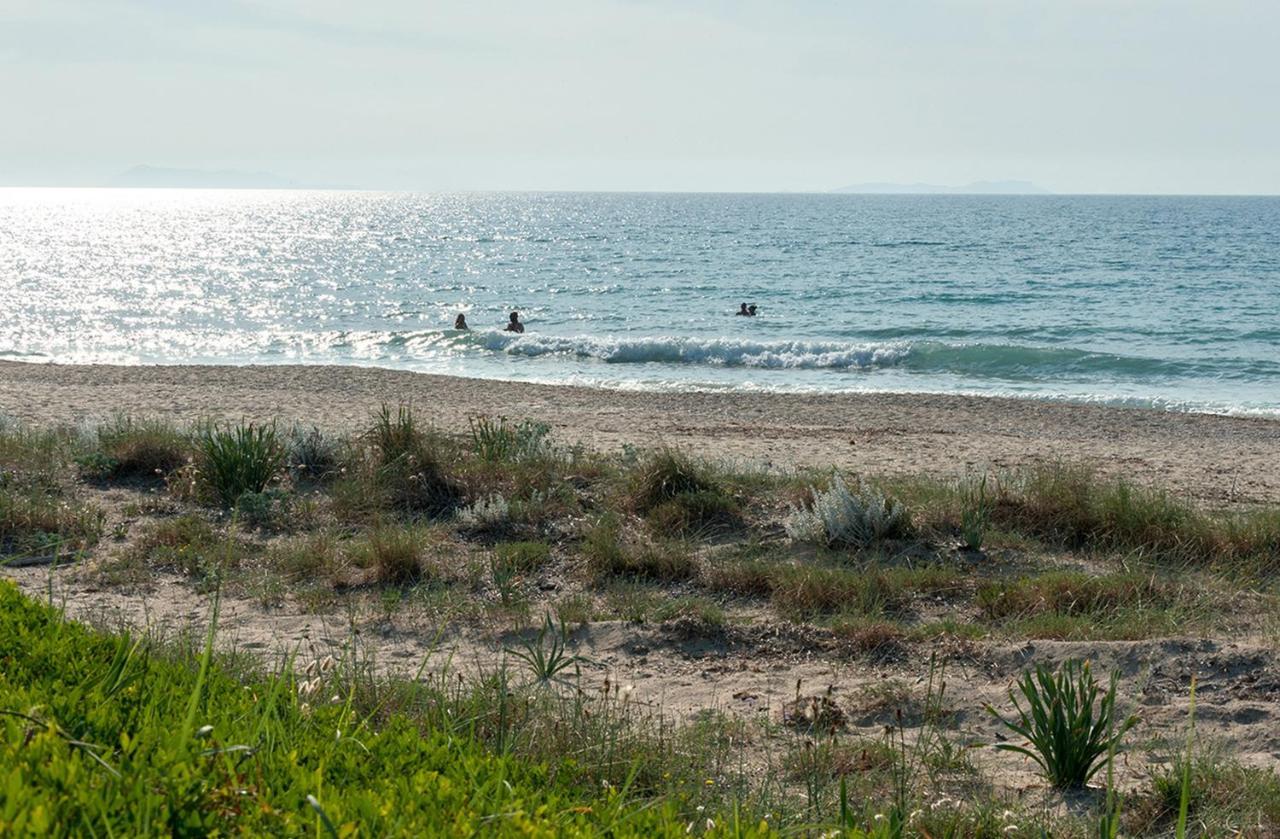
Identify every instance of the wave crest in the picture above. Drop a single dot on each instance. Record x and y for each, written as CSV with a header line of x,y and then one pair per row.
x,y
723,352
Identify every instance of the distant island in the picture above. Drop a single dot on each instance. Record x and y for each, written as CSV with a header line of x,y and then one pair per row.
x,y
975,188
158,176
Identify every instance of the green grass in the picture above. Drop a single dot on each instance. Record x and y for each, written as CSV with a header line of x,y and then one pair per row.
x,y
1070,605
107,735
38,516
136,448
610,556
237,460
679,495
1222,797
407,470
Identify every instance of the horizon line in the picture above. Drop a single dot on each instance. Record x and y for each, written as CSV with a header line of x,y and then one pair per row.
x,y
837,192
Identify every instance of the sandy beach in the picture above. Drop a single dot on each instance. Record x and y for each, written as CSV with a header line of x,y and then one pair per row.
x,y
1216,459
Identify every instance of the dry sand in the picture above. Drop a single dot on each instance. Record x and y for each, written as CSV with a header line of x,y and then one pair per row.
x,y
1217,459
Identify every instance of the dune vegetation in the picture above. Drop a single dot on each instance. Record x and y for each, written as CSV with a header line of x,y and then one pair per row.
x,y
500,529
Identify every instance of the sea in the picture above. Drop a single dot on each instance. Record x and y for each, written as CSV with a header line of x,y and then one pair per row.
x,y
1166,302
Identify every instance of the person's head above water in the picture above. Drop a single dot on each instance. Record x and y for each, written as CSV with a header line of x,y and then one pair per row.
x,y
742,310
514,325
515,317
460,322
751,310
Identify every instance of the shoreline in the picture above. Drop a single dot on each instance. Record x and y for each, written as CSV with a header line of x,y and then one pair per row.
x,y
1215,458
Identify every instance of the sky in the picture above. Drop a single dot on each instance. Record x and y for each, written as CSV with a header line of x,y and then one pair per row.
x,y
1112,96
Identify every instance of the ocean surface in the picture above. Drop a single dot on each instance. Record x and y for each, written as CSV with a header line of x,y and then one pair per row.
x,y
1161,301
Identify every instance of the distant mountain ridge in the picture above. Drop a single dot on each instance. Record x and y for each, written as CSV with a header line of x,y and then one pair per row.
x,y
975,188
159,176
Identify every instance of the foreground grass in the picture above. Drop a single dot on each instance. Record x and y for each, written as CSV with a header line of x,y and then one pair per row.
x,y
105,735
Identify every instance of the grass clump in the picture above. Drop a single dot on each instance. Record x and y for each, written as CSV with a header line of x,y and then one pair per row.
x,y
804,591
501,441
678,495
523,557
1074,593
396,555
840,518
409,463
610,556
1073,507
863,634
745,576
1070,723
1221,797
313,455
33,450
36,516
306,558
1078,606
240,459
187,544
137,449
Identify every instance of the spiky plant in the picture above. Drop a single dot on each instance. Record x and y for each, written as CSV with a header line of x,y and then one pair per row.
x,y
1069,722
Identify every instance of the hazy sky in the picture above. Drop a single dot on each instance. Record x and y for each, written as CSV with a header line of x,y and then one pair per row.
x,y
1075,95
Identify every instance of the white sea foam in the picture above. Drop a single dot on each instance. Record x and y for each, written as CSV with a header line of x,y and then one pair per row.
x,y
725,352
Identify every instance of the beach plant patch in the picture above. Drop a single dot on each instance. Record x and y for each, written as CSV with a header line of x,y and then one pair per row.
x,y
239,459
1068,722
135,448
503,441
840,517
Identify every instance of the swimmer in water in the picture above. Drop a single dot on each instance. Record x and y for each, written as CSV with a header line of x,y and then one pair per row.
x,y
461,323
514,325
742,311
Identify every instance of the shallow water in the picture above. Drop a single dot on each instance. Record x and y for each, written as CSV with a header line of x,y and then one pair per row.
x,y
1164,301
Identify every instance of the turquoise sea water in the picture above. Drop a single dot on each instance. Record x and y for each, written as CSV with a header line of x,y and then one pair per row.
x,y
1163,301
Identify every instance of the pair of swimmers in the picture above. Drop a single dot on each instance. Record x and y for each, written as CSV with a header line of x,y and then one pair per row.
x,y
513,325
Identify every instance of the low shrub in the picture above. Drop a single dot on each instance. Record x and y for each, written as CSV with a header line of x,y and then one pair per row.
x,y
838,517
492,512
262,509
